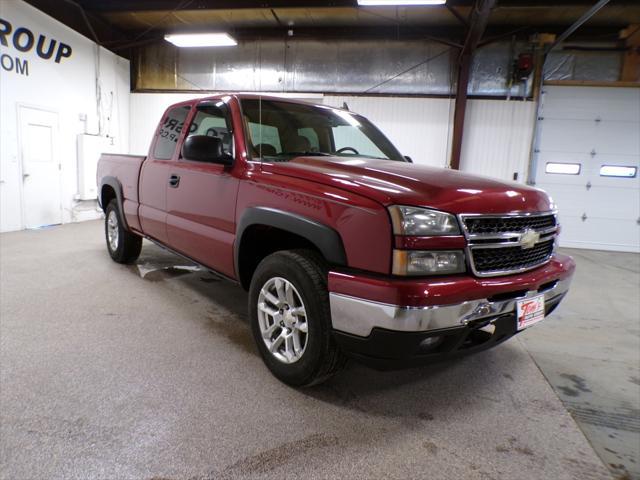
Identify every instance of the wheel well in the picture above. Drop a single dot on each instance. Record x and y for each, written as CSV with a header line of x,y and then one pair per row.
x,y
259,241
106,195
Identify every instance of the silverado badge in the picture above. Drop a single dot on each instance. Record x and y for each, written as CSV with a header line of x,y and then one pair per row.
x,y
529,239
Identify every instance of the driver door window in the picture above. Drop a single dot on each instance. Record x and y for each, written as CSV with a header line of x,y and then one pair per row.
x,y
212,122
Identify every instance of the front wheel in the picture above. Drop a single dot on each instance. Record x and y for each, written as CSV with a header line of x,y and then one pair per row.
x,y
123,246
291,319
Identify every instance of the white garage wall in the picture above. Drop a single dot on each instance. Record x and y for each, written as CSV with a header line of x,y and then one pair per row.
x,y
497,138
68,88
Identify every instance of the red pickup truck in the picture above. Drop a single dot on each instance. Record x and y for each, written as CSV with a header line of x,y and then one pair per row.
x,y
347,249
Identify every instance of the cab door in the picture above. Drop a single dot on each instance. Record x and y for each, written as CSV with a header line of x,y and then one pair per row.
x,y
155,172
201,196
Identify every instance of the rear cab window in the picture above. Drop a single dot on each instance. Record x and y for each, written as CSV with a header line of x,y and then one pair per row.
x,y
169,132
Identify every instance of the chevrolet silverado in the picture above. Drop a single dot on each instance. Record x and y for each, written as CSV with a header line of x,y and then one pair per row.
x,y
346,247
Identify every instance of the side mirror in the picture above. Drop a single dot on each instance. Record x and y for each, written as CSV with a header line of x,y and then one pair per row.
x,y
201,148
408,158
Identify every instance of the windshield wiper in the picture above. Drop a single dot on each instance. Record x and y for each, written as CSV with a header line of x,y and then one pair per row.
x,y
308,154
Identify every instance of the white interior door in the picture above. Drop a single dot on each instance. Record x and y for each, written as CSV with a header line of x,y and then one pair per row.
x,y
41,202
588,160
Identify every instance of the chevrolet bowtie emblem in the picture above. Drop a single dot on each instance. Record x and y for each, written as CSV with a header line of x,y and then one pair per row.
x,y
529,239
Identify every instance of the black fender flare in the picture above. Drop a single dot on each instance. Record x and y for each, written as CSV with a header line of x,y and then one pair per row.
x,y
325,238
114,183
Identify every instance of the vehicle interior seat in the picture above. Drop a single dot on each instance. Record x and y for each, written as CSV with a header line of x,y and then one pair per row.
x,y
265,148
300,144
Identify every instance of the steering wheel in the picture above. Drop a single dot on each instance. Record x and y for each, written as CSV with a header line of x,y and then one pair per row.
x,y
344,149
211,132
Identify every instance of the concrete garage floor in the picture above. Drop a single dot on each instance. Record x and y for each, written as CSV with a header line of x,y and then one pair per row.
x,y
149,371
590,353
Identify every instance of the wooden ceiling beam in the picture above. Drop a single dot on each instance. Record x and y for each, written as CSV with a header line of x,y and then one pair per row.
x,y
169,5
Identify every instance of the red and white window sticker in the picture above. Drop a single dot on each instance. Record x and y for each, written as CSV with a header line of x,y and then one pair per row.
x,y
530,311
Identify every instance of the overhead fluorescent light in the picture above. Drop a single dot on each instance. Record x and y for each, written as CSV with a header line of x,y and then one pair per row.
x,y
397,3
190,40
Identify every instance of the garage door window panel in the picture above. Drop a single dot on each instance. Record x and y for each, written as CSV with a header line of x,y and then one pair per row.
x,y
559,168
620,171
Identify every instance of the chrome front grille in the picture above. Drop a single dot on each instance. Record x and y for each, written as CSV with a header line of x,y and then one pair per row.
x,y
509,244
493,225
509,258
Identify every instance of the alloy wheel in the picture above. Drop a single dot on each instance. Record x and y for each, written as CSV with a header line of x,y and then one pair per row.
x,y
283,320
112,230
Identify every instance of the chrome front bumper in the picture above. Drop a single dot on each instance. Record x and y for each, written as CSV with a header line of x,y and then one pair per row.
x,y
359,317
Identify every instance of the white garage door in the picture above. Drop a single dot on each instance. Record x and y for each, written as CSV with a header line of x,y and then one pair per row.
x,y
589,160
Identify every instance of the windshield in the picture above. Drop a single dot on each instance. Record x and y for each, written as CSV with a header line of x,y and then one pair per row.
x,y
280,131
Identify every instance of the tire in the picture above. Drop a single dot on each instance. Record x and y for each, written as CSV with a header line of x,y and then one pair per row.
x,y
123,246
317,357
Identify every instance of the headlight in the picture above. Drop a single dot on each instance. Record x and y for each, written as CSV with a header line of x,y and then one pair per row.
x,y
422,222
419,262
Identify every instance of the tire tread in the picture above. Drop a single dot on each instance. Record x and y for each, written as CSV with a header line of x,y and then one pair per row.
x,y
315,268
130,244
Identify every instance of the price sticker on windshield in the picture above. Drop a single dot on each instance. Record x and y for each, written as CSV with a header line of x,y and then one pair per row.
x,y
529,311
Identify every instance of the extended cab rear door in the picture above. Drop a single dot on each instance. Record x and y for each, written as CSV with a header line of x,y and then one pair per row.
x,y
201,196
154,175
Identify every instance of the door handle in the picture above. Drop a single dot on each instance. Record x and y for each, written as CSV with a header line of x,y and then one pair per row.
x,y
174,181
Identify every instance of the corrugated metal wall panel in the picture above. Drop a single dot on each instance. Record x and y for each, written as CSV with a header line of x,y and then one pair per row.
x,y
347,67
419,127
497,138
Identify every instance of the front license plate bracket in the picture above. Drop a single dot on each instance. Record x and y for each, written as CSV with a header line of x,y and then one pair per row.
x,y
529,311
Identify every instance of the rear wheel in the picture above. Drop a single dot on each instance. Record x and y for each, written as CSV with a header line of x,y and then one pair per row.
x,y
123,246
291,319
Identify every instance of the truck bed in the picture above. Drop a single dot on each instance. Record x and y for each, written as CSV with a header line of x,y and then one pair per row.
x,y
126,168
122,172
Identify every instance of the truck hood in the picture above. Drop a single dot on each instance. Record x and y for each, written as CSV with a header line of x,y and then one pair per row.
x,y
398,183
